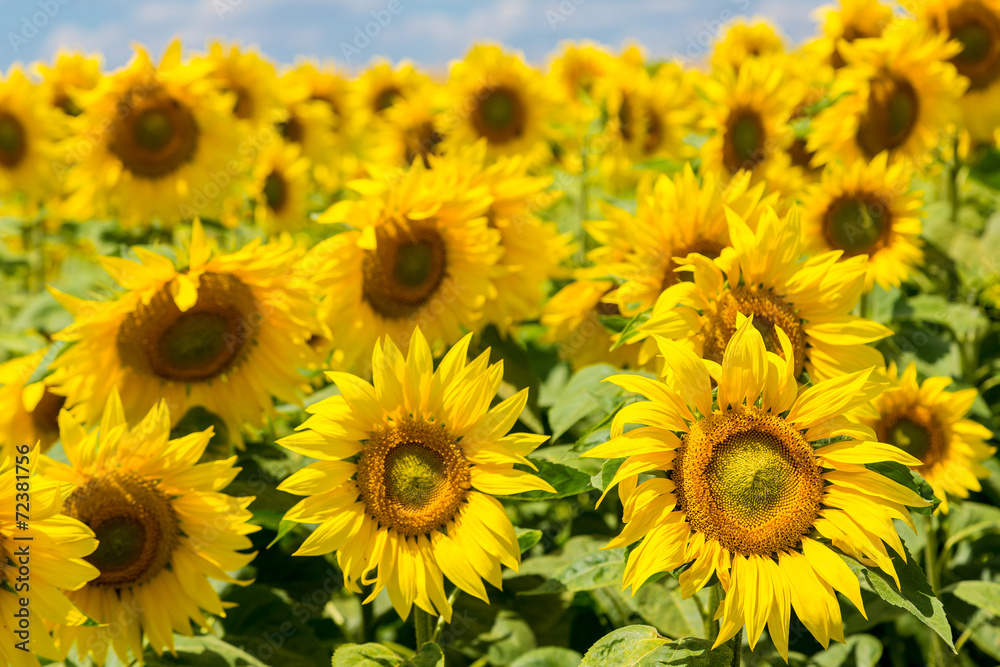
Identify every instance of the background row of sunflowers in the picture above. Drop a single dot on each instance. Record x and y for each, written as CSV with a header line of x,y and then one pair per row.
x,y
302,363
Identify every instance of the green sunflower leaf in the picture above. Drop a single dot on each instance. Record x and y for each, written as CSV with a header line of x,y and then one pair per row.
x,y
429,655
209,651
643,646
901,474
631,329
592,570
365,655
527,537
548,656
565,480
982,594
914,593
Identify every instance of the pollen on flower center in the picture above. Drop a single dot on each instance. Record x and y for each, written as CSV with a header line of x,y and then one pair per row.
x,y
977,28
404,270
154,134
135,525
769,311
499,114
917,432
413,476
857,224
743,143
749,480
275,191
893,110
192,346
706,247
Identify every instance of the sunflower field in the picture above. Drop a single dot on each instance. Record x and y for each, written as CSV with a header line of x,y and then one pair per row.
x,y
603,361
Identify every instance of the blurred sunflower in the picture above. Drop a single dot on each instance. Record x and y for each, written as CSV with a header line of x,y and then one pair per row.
x,y
30,132
249,78
157,139
898,93
750,495
745,42
405,469
975,25
748,117
280,189
867,209
496,96
578,70
809,300
418,251
572,321
69,76
28,411
59,546
225,333
674,217
411,130
382,85
853,19
163,529
929,423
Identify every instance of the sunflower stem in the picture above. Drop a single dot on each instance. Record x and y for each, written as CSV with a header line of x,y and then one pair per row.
x,y
934,579
423,623
711,625
736,644
953,169
865,305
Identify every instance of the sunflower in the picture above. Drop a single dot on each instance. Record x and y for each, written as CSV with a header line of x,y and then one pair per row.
x,y
157,139
867,209
410,131
58,547
746,490
809,300
382,85
897,93
280,189
745,42
929,423
572,321
418,251
748,117
29,411
853,19
326,84
251,81
975,25
579,69
406,466
225,333
496,96
30,132
163,530
69,76
533,250
675,217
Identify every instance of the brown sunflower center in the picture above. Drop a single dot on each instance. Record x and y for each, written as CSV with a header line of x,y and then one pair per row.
x,y
499,114
916,431
243,106
851,32
135,525
45,416
893,110
421,140
749,480
13,142
155,135
857,224
707,247
743,143
386,98
404,271
802,156
62,100
977,28
275,191
769,311
292,129
413,476
202,343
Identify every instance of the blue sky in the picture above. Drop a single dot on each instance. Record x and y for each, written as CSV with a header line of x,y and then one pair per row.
x,y
430,32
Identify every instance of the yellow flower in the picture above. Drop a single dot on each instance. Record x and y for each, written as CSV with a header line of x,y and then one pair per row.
x,y
280,189
249,79
675,217
749,494
748,117
496,96
809,300
853,19
30,131
867,209
28,412
157,144
975,25
406,466
579,69
382,85
410,131
929,423
57,547
418,251
163,529
70,75
898,93
746,42
226,333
